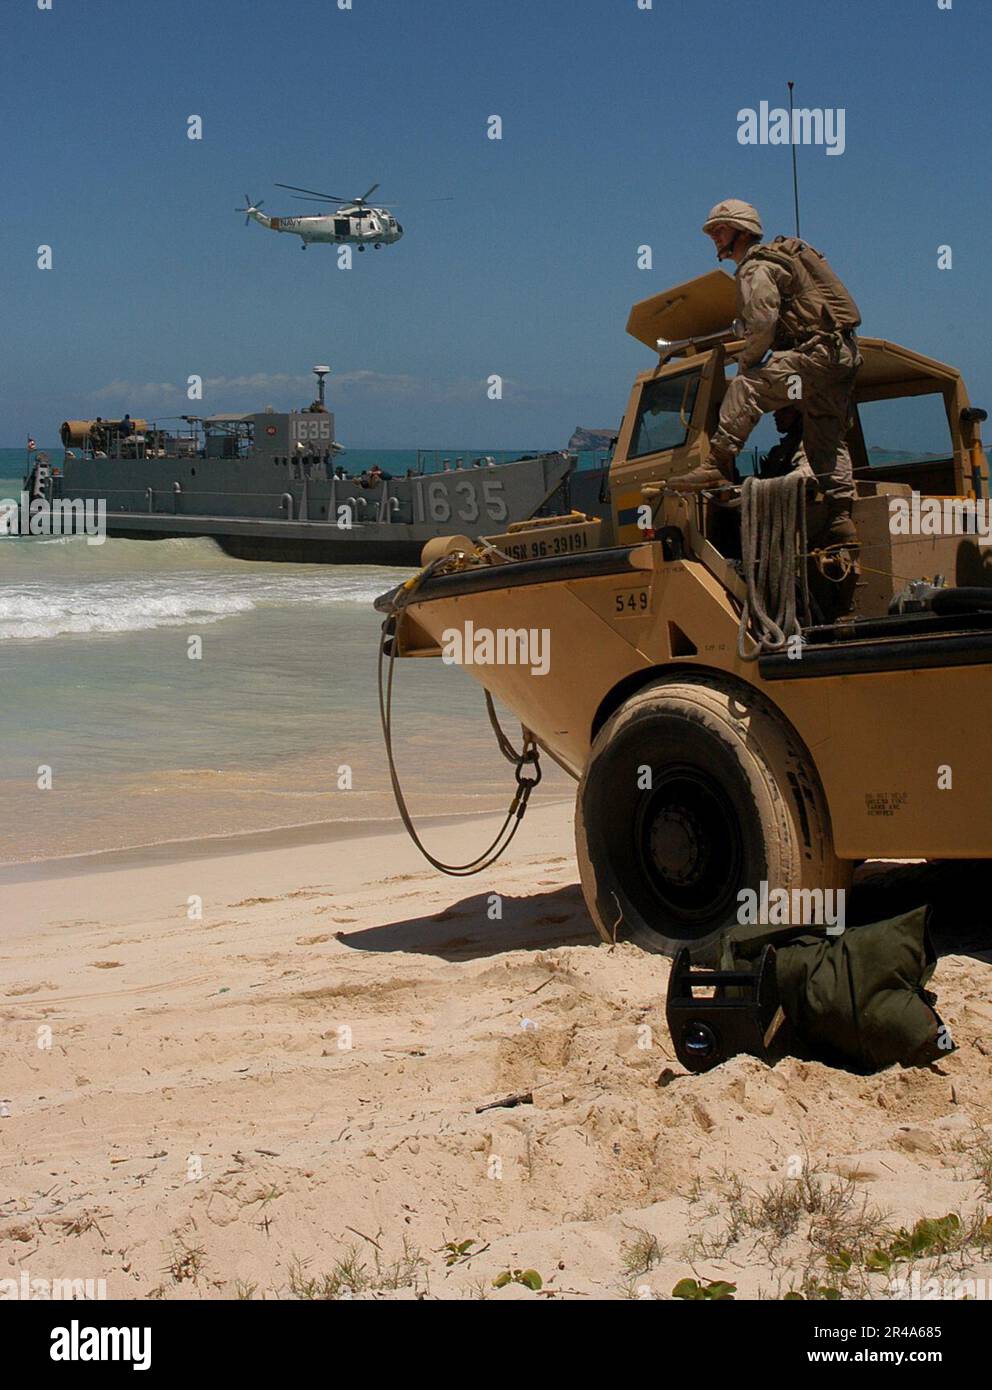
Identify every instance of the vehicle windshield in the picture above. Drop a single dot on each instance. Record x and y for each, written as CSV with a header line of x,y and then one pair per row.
x,y
664,413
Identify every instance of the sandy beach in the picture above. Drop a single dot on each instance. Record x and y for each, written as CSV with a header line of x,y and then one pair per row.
x,y
284,1096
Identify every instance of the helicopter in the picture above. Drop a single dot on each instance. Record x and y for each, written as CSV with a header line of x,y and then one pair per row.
x,y
354,221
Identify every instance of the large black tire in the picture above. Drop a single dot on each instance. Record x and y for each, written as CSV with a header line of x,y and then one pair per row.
x,y
733,801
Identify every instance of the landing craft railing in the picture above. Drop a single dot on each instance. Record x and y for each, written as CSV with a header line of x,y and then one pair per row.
x,y
152,444
388,505
105,439
448,461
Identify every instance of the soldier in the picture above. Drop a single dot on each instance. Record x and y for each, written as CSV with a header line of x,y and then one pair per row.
x,y
787,454
796,310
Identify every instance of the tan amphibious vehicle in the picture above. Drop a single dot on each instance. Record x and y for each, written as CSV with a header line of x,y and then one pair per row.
x,y
703,772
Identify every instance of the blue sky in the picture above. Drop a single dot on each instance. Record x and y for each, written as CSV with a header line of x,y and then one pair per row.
x,y
619,129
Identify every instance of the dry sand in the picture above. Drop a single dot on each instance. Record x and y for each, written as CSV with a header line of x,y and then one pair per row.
x,y
199,1126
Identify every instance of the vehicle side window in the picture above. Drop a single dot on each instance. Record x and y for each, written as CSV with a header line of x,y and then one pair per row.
x,y
905,430
663,414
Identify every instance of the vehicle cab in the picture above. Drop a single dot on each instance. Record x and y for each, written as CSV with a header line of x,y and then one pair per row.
x,y
673,410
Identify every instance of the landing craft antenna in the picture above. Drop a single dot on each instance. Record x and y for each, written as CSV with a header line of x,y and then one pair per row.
x,y
792,142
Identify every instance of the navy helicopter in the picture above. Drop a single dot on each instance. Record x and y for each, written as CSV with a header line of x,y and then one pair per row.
x,y
353,221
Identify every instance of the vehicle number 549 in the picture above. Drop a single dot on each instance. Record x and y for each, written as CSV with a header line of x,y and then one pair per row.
x,y
631,601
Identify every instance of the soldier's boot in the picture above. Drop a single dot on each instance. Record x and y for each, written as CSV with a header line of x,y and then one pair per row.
x,y
717,472
840,530
829,524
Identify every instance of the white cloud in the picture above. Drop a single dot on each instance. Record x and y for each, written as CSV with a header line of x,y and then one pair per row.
x,y
259,389
163,391
260,382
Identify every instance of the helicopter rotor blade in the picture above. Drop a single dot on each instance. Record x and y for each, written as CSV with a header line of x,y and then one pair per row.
x,y
295,188
367,194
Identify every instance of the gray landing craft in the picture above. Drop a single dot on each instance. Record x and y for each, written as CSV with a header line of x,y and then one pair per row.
x,y
266,486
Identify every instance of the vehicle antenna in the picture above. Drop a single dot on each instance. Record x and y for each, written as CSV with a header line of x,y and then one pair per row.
x,y
795,176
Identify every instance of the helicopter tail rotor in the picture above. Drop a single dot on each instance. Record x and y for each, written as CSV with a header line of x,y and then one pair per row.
x,y
249,208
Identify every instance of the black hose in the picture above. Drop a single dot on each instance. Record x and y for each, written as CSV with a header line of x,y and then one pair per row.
x,y
528,756
963,600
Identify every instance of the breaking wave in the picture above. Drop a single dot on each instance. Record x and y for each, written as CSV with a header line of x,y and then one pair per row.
x,y
101,608
62,587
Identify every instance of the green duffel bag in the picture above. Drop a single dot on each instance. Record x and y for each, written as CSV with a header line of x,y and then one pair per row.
x,y
857,999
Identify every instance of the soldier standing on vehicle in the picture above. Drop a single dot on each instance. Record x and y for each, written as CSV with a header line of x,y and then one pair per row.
x,y
800,349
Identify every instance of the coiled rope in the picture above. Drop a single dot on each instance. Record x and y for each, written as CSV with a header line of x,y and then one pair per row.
x,y
773,520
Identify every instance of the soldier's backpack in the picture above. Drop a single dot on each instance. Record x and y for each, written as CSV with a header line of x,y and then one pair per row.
x,y
819,301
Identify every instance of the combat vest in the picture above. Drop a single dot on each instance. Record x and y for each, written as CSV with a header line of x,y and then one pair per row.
x,y
816,301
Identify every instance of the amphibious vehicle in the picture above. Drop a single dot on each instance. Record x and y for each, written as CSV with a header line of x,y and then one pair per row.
x,y
703,774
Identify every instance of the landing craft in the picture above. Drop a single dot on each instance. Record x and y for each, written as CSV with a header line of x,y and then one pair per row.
x,y
353,222
267,485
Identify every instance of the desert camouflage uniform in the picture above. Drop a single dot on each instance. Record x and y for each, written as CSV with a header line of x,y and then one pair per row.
x,y
800,462
825,365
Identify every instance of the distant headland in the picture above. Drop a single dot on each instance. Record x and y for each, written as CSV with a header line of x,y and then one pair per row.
x,y
591,439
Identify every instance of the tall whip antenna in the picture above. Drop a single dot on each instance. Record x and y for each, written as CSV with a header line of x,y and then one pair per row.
x,y
795,176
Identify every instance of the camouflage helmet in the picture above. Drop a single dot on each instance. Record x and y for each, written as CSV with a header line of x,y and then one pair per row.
x,y
735,213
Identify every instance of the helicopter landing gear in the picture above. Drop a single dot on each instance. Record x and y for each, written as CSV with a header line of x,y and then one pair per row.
x,y
378,246
361,248
303,246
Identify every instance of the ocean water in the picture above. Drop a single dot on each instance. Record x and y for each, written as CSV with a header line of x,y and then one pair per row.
x,y
146,745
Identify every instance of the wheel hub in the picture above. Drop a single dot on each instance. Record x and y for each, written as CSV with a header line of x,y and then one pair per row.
x,y
677,846
689,845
